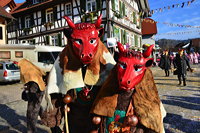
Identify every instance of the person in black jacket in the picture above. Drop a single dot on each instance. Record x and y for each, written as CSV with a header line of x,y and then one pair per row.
x,y
181,62
165,62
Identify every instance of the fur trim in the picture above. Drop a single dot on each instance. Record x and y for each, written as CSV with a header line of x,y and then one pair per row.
x,y
30,72
145,100
66,73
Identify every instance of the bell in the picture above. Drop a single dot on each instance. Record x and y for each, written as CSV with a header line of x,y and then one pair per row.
x,y
96,120
67,99
131,120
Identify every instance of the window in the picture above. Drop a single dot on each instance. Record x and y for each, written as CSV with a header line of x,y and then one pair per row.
x,y
49,15
116,33
35,1
12,66
116,5
132,40
5,54
68,9
19,54
91,5
47,57
1,33
54,40
27,22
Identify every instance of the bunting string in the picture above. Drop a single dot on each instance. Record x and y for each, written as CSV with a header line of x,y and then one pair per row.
x,y
179,33
171,6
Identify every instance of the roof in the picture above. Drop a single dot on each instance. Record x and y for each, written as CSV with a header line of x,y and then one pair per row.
x,y
149,27
17,6
5,14
4,2
26,6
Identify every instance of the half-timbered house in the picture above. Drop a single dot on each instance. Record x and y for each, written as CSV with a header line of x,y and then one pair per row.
x,y
41,22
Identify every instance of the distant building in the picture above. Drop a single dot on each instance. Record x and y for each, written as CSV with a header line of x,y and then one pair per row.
x,y
41,21
5,18
196,44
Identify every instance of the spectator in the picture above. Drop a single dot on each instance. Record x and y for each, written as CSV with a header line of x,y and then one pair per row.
x,y
165,62
181,62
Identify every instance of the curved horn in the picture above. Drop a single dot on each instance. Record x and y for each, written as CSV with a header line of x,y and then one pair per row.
x,y
120,47
98,22
69,21
147,53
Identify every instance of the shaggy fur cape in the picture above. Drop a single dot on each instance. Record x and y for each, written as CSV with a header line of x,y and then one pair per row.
x,y
146,101
30,72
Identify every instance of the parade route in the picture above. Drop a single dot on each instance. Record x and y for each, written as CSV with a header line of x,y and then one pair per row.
x,y
182,104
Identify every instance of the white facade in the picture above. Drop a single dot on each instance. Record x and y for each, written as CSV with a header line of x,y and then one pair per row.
x,y
127,29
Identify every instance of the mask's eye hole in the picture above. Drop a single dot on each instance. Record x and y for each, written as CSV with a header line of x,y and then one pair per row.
x,y
92,41
78,41
123,66
137,68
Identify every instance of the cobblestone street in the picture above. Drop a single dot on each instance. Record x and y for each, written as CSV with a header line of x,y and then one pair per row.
x,y
181,103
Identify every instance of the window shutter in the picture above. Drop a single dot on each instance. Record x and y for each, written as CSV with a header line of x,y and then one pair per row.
x,y
125,36
140,23
136,40
113,4
134,18
120,8
99,4
47,40
122,36
55,13
43,16
123,8
59,40
23,22
83,6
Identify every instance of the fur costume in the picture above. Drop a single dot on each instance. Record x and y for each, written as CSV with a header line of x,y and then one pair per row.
x,y
72,72
33,92
146,101
128,100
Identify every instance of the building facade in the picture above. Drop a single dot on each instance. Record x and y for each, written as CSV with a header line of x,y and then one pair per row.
x,y
41,22
5,18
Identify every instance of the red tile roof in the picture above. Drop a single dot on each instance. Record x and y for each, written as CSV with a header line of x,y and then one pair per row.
x,y
5,14
5,2
149,27
29,8
17,6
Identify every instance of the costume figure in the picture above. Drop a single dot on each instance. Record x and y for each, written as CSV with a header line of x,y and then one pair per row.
x,y
128,101
165,62
79,71
181,62
33,92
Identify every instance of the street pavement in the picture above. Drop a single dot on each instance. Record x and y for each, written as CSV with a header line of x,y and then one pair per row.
x,y
182,104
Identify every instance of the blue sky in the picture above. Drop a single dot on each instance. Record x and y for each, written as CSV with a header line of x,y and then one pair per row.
x,y
188,15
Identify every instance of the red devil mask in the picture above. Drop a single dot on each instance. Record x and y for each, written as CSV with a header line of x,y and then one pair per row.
x,y
84,38
131,66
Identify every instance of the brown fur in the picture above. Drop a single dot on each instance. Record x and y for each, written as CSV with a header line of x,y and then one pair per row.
x,y
69,62
146,100
147,103
30,72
